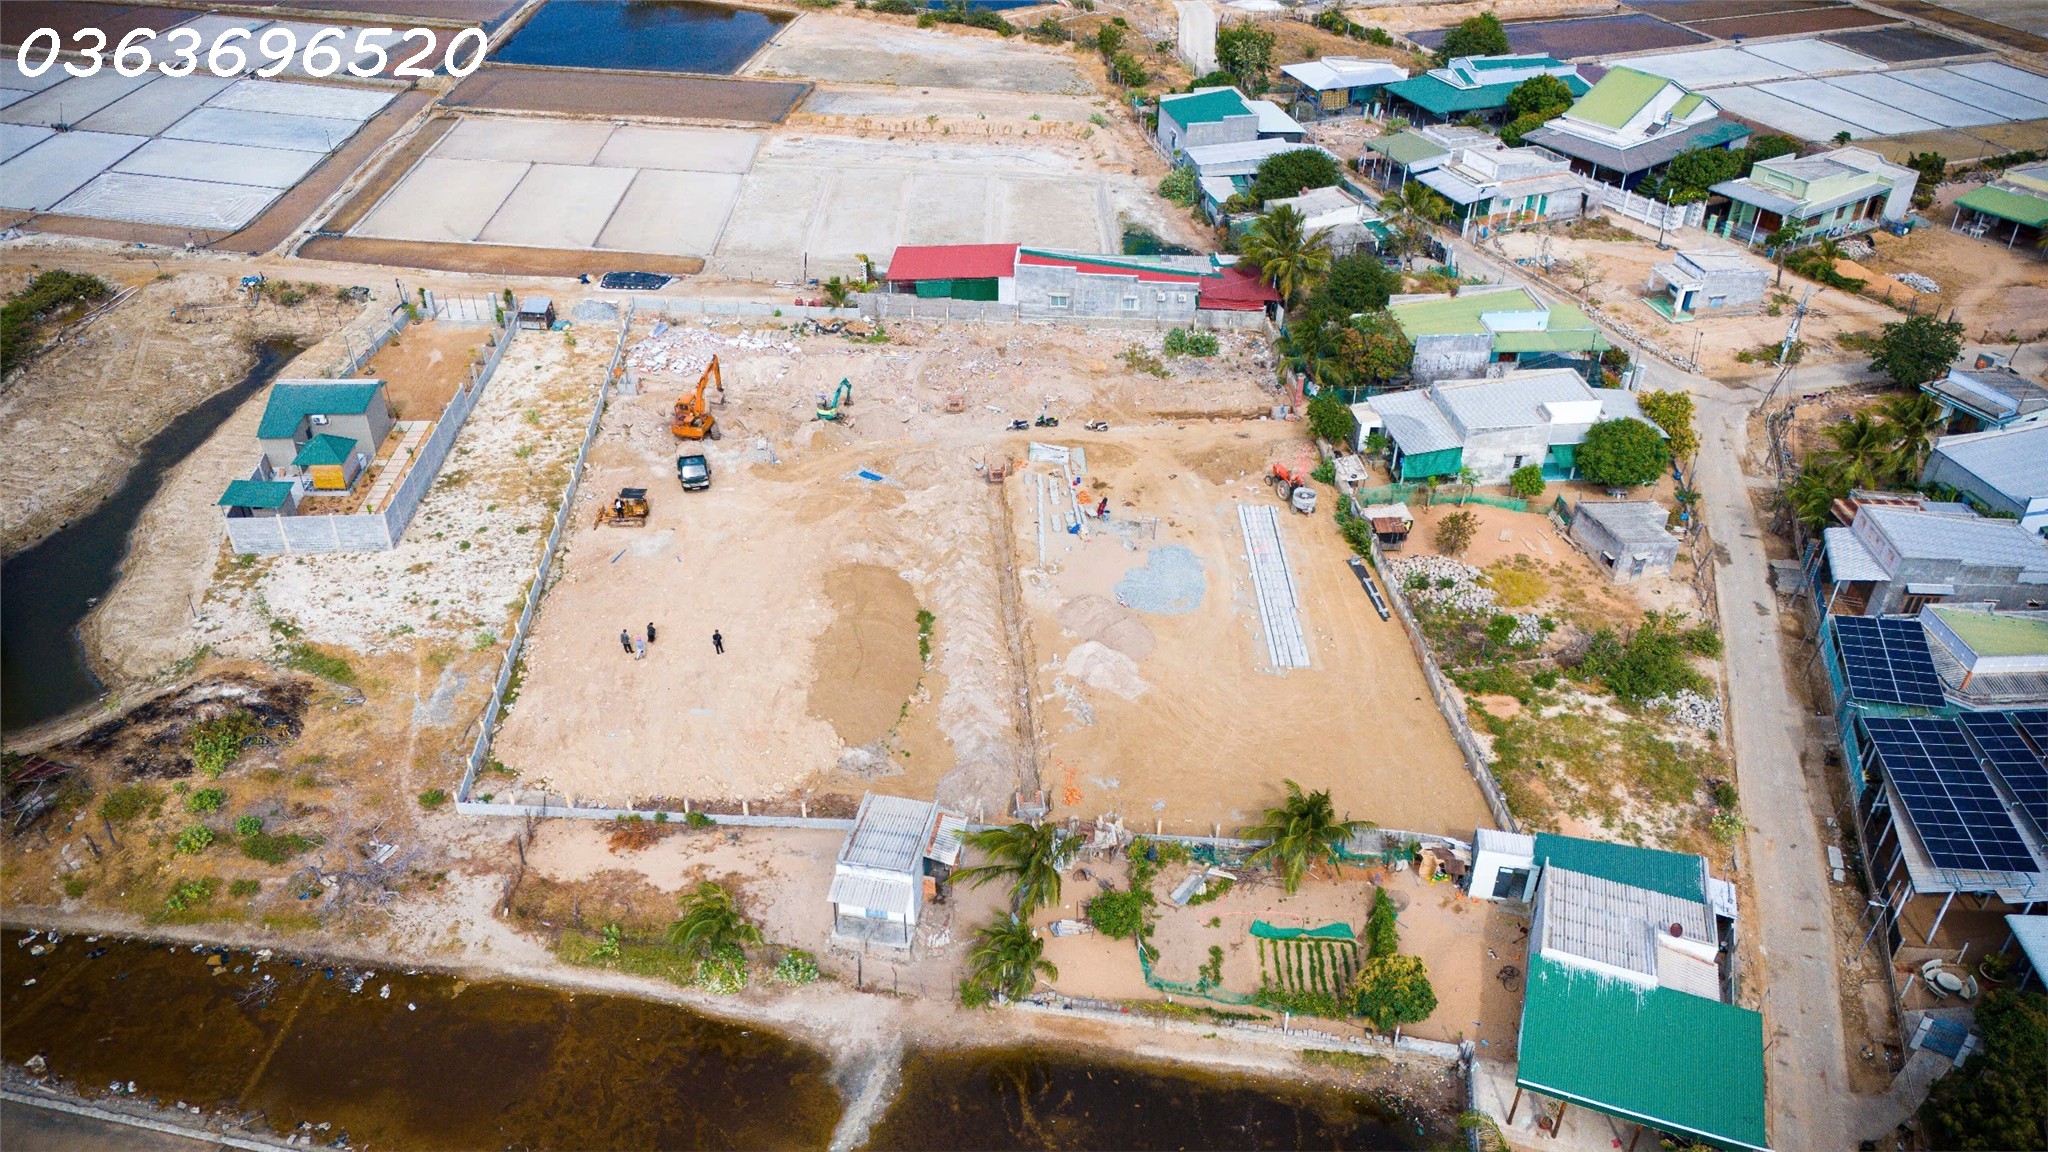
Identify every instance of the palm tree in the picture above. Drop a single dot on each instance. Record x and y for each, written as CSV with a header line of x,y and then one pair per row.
x,y
711,925
1915,420
1301,831
1862,453
1812,495
1314,349
1008,958
1288,256
1027,855
837,292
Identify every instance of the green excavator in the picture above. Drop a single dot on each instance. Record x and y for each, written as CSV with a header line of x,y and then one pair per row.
x,y
829,409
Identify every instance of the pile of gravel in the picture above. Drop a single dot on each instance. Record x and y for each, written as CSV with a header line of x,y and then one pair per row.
x,y
1691,709
1443,582
1171,583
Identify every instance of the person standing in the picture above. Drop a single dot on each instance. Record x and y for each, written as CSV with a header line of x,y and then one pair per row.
x,y
626,641
639,649
717,642
650,631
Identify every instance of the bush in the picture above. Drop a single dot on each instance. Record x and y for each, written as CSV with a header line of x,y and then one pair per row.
x,y
1382,933
205,800
130,801
722,974
1119,915
1649,664
218,742
1190,342
795,970
244,888
42,300
277,849
1999,1098
1527,481
895,7
1127,70
194,840
189,895
433,798
1048,31
1179,186
1454,532
697,820
1301,1003
1285,174
1918,349
248,825
1216,888
1672,411
1329,418
1325,472
1395,991
1622,453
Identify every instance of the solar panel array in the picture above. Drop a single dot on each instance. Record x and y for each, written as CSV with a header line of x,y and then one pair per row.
x,y
1961,819
1886,660
1998,735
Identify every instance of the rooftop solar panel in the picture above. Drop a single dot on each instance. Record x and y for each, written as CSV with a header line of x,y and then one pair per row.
x,y
1951,801
2033,723
1886,661
1998,737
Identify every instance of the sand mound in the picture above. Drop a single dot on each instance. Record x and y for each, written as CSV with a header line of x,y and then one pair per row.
x,y
1101,619
1104,668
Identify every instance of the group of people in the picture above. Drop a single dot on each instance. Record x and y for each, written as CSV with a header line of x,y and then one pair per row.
x,y
636,646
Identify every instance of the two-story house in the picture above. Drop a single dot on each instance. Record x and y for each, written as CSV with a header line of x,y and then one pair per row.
x,y
1220,116
1632,123
1847,190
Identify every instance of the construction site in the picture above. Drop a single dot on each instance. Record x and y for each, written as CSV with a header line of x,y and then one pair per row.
x,y
948,611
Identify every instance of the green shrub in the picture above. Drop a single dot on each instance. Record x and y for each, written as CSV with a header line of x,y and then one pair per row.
x,y
795,969
1382,933
194,840
1527,481
47,297
1217,888
1190,342
218,742
1648,664
271,849
242,889
1325,472
312,661
130,801
1119,915
697,820
1395,991
1179,187
205,800
189,895
1329,418
1622,453
433,798
248,825
1301,1002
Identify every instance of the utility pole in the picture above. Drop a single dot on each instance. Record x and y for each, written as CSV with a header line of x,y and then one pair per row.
x,y
1792,330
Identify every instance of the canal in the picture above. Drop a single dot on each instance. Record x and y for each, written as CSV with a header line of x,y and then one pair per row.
x,y
420,1060
48,589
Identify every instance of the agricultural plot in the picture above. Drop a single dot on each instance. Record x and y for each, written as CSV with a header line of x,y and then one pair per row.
x,y
1323,967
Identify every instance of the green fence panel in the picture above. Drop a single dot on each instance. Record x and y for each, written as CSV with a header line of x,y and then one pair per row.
x,y
1337,931
982,289
934,289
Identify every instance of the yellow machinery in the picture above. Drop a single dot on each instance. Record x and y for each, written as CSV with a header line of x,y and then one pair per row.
x,y
693,419
828,409
627,510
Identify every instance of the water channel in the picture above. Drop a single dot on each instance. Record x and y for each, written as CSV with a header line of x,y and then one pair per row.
x,y
47,590
398,1060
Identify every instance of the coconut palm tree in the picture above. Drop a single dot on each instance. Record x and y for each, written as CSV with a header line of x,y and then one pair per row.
x,y
1811,496
838,292
1008,958
1314,348
712,924
1915,420
1862,451
1303,830
1288,256
1412,214
1027,855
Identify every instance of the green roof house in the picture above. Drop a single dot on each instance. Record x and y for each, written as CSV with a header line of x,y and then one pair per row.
x,y
2014,208
1211,116
1626,1010
307,421
1476,84
1632,123
1456,337
1847,190
260,498
1493,426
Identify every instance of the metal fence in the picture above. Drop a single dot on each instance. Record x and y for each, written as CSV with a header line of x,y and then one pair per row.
x,y
1390,493
1447,702
381,528
395,324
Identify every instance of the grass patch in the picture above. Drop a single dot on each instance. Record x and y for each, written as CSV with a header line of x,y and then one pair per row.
x,y
131,801
218,742
925,620
636,957
312,661
1517,583
1347,1061
433,798
1589,765
274,849
242,889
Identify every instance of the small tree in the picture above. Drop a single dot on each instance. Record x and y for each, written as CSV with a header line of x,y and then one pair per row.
x,y
1245,51
1127,70
1917,349
1395,991
1329,418
1359,283
1999,1098
1119,915
837,292
1480,35
1622,453
1109,40
1372,348
1544,94
1780,243
1286,174
1454,532
1672,411
1527,481
1302,832
1843,138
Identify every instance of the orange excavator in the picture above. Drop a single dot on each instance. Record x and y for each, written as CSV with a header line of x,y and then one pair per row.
x,y
693,419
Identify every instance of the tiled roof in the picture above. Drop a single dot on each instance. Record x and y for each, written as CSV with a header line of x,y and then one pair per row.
x,y
952,262
1146,271
2012,462
291,401
1238,289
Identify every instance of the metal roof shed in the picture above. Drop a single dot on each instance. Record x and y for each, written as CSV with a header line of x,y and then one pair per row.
x,y
1665,1059
878,879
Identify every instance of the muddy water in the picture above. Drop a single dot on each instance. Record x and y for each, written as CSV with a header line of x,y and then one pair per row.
x,y
439,1063
48,589
1021,1098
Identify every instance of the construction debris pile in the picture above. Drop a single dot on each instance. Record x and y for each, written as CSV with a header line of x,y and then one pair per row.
x,y
1690,709
674,349
1444,582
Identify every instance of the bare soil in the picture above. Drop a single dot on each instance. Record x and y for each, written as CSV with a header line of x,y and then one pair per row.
x,y
498,259
668,98
423,366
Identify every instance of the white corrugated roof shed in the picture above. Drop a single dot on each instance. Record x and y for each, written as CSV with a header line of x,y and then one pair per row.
x,y
1848,559
2012,462
893,894
1929,536
890,834
1344,72
1272,119
1615,924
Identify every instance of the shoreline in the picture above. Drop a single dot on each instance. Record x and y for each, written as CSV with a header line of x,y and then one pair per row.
x,y
864,1033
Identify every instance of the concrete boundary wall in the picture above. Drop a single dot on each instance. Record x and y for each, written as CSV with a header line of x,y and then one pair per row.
x,y
383,528
701,306
480,754
890,306
1652,212
1447,702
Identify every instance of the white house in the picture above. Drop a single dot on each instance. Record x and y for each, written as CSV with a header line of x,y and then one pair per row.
x,y
896,850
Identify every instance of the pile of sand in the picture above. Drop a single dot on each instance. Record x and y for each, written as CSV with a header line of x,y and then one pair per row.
x,y
1103,620
1105,669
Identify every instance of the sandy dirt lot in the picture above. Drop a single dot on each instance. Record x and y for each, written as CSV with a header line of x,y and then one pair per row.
x,y
820,690
844,49
71,421
1174,717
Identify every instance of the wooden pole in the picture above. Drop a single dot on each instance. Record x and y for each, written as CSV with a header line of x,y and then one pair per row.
x,y
1515,1104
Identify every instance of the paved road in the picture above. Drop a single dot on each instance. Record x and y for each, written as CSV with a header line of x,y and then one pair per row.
x,y
1812,1108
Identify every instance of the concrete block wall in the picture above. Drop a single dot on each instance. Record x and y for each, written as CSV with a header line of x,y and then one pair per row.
x,y
1454,357
1098,296
1493,453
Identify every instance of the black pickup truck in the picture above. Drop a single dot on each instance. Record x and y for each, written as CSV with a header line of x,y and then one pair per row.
x,y
694,471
